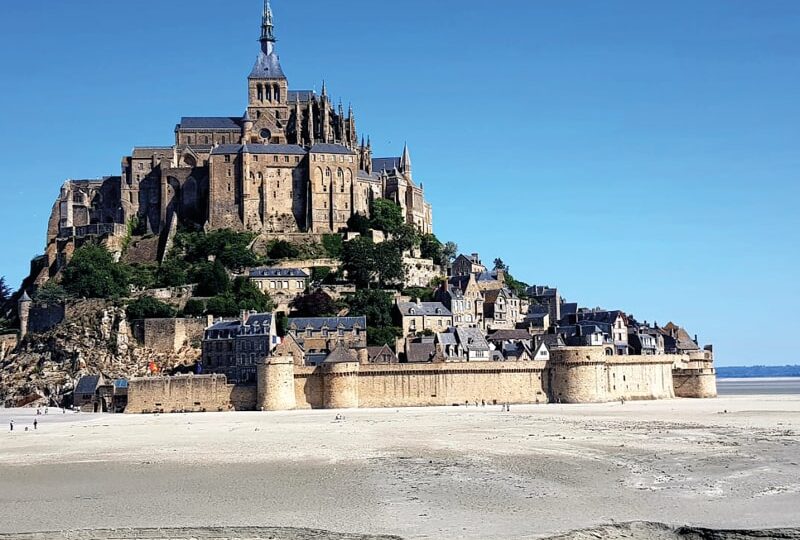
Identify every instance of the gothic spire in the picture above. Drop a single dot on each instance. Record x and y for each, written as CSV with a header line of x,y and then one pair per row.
x,y
405,162
267,29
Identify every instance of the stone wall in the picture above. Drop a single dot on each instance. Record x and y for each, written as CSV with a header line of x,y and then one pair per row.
x,y
182,393
44,318
172,335
574,375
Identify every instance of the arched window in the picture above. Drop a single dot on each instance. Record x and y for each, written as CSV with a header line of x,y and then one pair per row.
x,y
269,93
277,93
327,173
260,92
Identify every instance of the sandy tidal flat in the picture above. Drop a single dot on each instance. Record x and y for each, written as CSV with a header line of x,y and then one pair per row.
x,y
444,473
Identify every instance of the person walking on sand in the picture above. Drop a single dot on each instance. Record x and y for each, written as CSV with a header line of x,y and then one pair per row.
x,y
35,424
11,423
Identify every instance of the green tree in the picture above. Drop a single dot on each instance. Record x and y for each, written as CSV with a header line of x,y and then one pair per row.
x,y
249,297
173,272
230,248
223,306
519,287
385,335
388,261
211,279
432,248
281,249
50,294
143,276
359,223
450,251
424,294
194,308
92,273
358,260
315,304
333,245
148,307
406,237
5,290
386,215
376,306
499,264
320,273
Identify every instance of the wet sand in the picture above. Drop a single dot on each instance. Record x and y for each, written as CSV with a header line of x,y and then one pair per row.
x,y
441,473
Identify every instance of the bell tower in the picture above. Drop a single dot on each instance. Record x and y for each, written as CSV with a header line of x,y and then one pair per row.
x,y
268,106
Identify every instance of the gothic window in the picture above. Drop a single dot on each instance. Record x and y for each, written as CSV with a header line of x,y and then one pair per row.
x,y
269,93
328,173
277,93
260,93
188,140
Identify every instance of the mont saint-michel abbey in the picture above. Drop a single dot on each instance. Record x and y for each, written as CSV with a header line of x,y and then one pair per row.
x,y
292,162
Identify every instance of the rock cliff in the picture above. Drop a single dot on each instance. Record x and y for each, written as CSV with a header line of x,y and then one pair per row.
x,y
95,338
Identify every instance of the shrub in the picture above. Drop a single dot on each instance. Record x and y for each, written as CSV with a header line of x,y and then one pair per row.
x,y
387,216
50,294
332,243
148,307
211,279
282,249
173,272
194,308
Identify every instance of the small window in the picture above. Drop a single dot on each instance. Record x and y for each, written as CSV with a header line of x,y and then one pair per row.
x,y
286,159
296,159
227,158
275,159
255,158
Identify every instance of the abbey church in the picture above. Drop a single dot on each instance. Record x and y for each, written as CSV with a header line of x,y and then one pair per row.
x,y
292,162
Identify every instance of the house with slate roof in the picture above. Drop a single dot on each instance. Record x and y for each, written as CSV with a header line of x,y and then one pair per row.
x,y
315,334
291,162
234,348
282,284
423,317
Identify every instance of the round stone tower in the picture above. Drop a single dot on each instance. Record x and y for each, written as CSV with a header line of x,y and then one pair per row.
x,y
276,384
340,379
577,375
694,376
24,311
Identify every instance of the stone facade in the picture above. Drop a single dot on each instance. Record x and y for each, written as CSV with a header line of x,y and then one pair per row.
x,y
291,163
570,375
172,335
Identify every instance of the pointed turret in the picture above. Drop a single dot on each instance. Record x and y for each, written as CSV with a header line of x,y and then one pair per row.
x,y
405,163
267,30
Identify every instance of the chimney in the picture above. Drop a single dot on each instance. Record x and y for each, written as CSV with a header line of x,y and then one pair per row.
x,y
476,259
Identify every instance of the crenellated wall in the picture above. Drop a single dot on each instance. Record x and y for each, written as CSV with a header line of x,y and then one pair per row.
x,y
573,375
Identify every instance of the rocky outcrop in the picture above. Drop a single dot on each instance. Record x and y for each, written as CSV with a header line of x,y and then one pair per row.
x,y
95,338
660,531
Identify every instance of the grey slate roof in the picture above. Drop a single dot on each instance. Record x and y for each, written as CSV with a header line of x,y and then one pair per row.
x,y
325,148
278,272
209,123
304,96
318,323
386,164
447,338
419,353
341,355
510,335
260,319
268,66
226,149
472,339
88,384
291,149
423,308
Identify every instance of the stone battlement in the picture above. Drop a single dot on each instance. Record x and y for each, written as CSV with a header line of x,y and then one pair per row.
x,y
574,375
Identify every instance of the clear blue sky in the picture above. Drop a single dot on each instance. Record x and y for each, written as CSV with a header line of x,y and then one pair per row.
x,y
641,155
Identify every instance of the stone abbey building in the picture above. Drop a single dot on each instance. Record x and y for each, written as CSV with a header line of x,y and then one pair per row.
x,y
291,163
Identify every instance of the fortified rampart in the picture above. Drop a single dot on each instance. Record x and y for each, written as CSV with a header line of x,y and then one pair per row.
x,y
573,375
695,377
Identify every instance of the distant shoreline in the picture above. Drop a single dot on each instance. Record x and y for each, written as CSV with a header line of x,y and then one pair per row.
x,y
741,378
